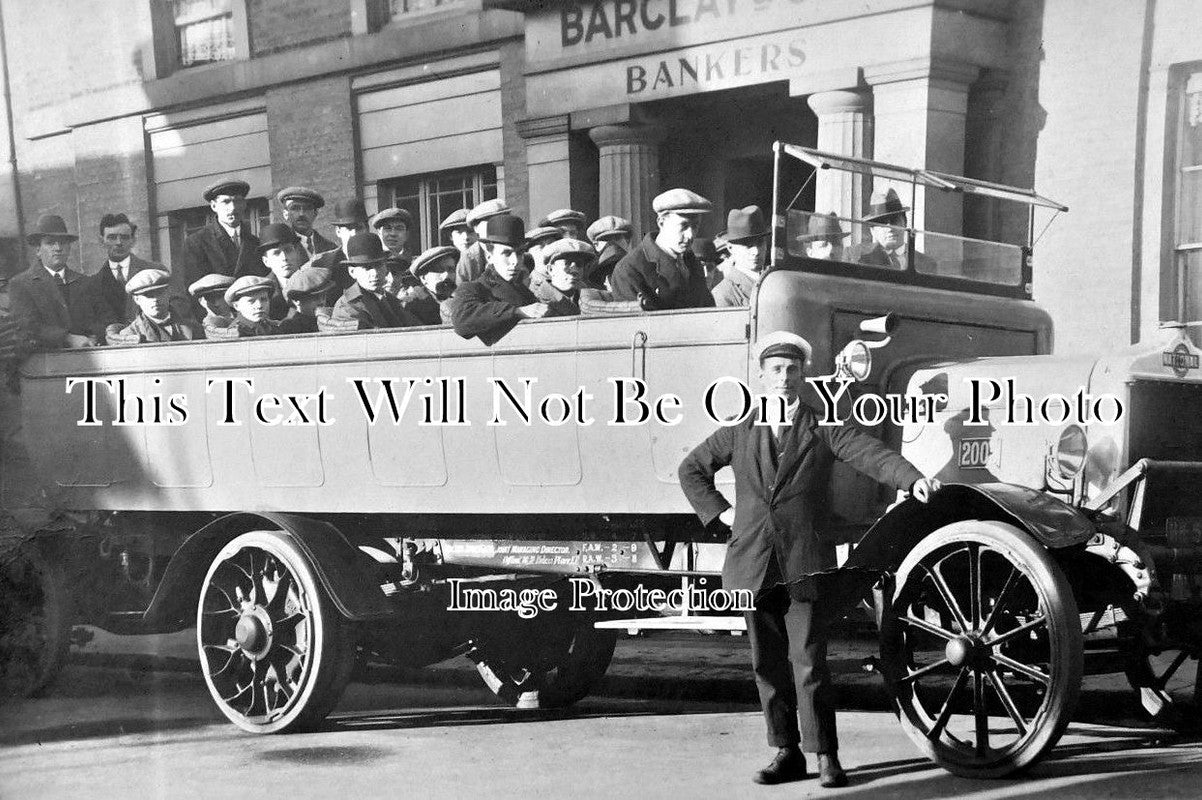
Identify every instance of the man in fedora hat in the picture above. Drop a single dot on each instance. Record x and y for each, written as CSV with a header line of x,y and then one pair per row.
x,y
225,245
300,206
56,305
747,237
610,235
435,270
781,470
365,304
461,235
890,240
118,234
662,271
350,217
475,259
499,299
156,320
823,238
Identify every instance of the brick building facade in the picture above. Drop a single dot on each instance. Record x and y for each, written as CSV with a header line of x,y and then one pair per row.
x,y
133,105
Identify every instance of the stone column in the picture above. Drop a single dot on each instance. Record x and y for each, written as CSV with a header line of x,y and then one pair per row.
x,y
919,113
844,127
985,137
629,172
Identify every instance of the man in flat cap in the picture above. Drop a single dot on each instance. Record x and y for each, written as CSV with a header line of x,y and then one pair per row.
x,y
566,261
308,291
662,271
118,234
250,299
435,270
279,248
156,320
459,234
350,217
780,469
365,304
490,306
56,306
392,225
890,239
823,239
475,259
611,236
225,245
747,236
300,206
569,221
534,263
209,294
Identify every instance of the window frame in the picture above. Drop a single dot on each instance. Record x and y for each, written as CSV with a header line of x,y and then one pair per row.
x,y
485,185
168,54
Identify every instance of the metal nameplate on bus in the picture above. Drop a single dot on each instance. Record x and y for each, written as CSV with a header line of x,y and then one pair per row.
x,y
570,556
1180,360
974,453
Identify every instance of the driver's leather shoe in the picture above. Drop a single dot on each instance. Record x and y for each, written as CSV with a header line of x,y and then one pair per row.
x,y
788,765
830,771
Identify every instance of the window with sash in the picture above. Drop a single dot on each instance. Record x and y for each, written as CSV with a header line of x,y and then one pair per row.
x,y
1188,240
405,9
433,197
205,30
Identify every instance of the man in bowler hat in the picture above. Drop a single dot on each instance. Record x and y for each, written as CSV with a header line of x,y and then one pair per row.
x,y
490,306
747,237
350,217
779,470
56,306
366,304
662,271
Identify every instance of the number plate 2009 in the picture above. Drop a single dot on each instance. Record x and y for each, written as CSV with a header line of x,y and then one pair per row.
x,y
974,453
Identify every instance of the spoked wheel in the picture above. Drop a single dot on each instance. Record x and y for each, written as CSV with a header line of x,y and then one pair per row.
x,y
981,647
550,674
35,622
275,653
1164,667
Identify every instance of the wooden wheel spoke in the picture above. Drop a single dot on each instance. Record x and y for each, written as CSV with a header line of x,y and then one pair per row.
x,y
953,607
1024,669
945,712
980,713
1000,603
929,627
929,668
1021,629
1003,694
974,585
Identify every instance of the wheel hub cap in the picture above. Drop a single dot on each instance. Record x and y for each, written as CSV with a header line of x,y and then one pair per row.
x,y
252,635
963,650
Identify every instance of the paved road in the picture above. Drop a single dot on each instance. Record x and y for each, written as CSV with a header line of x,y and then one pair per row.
x,y
130,728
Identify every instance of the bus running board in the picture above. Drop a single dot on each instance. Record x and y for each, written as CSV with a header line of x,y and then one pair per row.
x,y
734,625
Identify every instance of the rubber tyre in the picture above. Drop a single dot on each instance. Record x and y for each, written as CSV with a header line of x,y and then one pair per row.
x,y
325,640
1064,644
35,622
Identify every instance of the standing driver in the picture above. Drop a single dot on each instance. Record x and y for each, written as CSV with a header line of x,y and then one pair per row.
x,y
779,469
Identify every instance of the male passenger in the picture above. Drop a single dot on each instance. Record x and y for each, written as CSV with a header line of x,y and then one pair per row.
x,y
225,245
662,271
350,217
250,299
475,259
280,250
118,236
535,264
781,473
492,305
747,237
435,270
56,306
209,294
392,225
569,221
611,237
461,234
888,245
823,238
566,260
308,290
156,321
300,206
365,304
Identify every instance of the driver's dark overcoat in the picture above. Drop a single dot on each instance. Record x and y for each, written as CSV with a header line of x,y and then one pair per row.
x,y
778,488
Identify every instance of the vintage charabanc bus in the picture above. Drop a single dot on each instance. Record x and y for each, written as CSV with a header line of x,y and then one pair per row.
x,y
303,499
